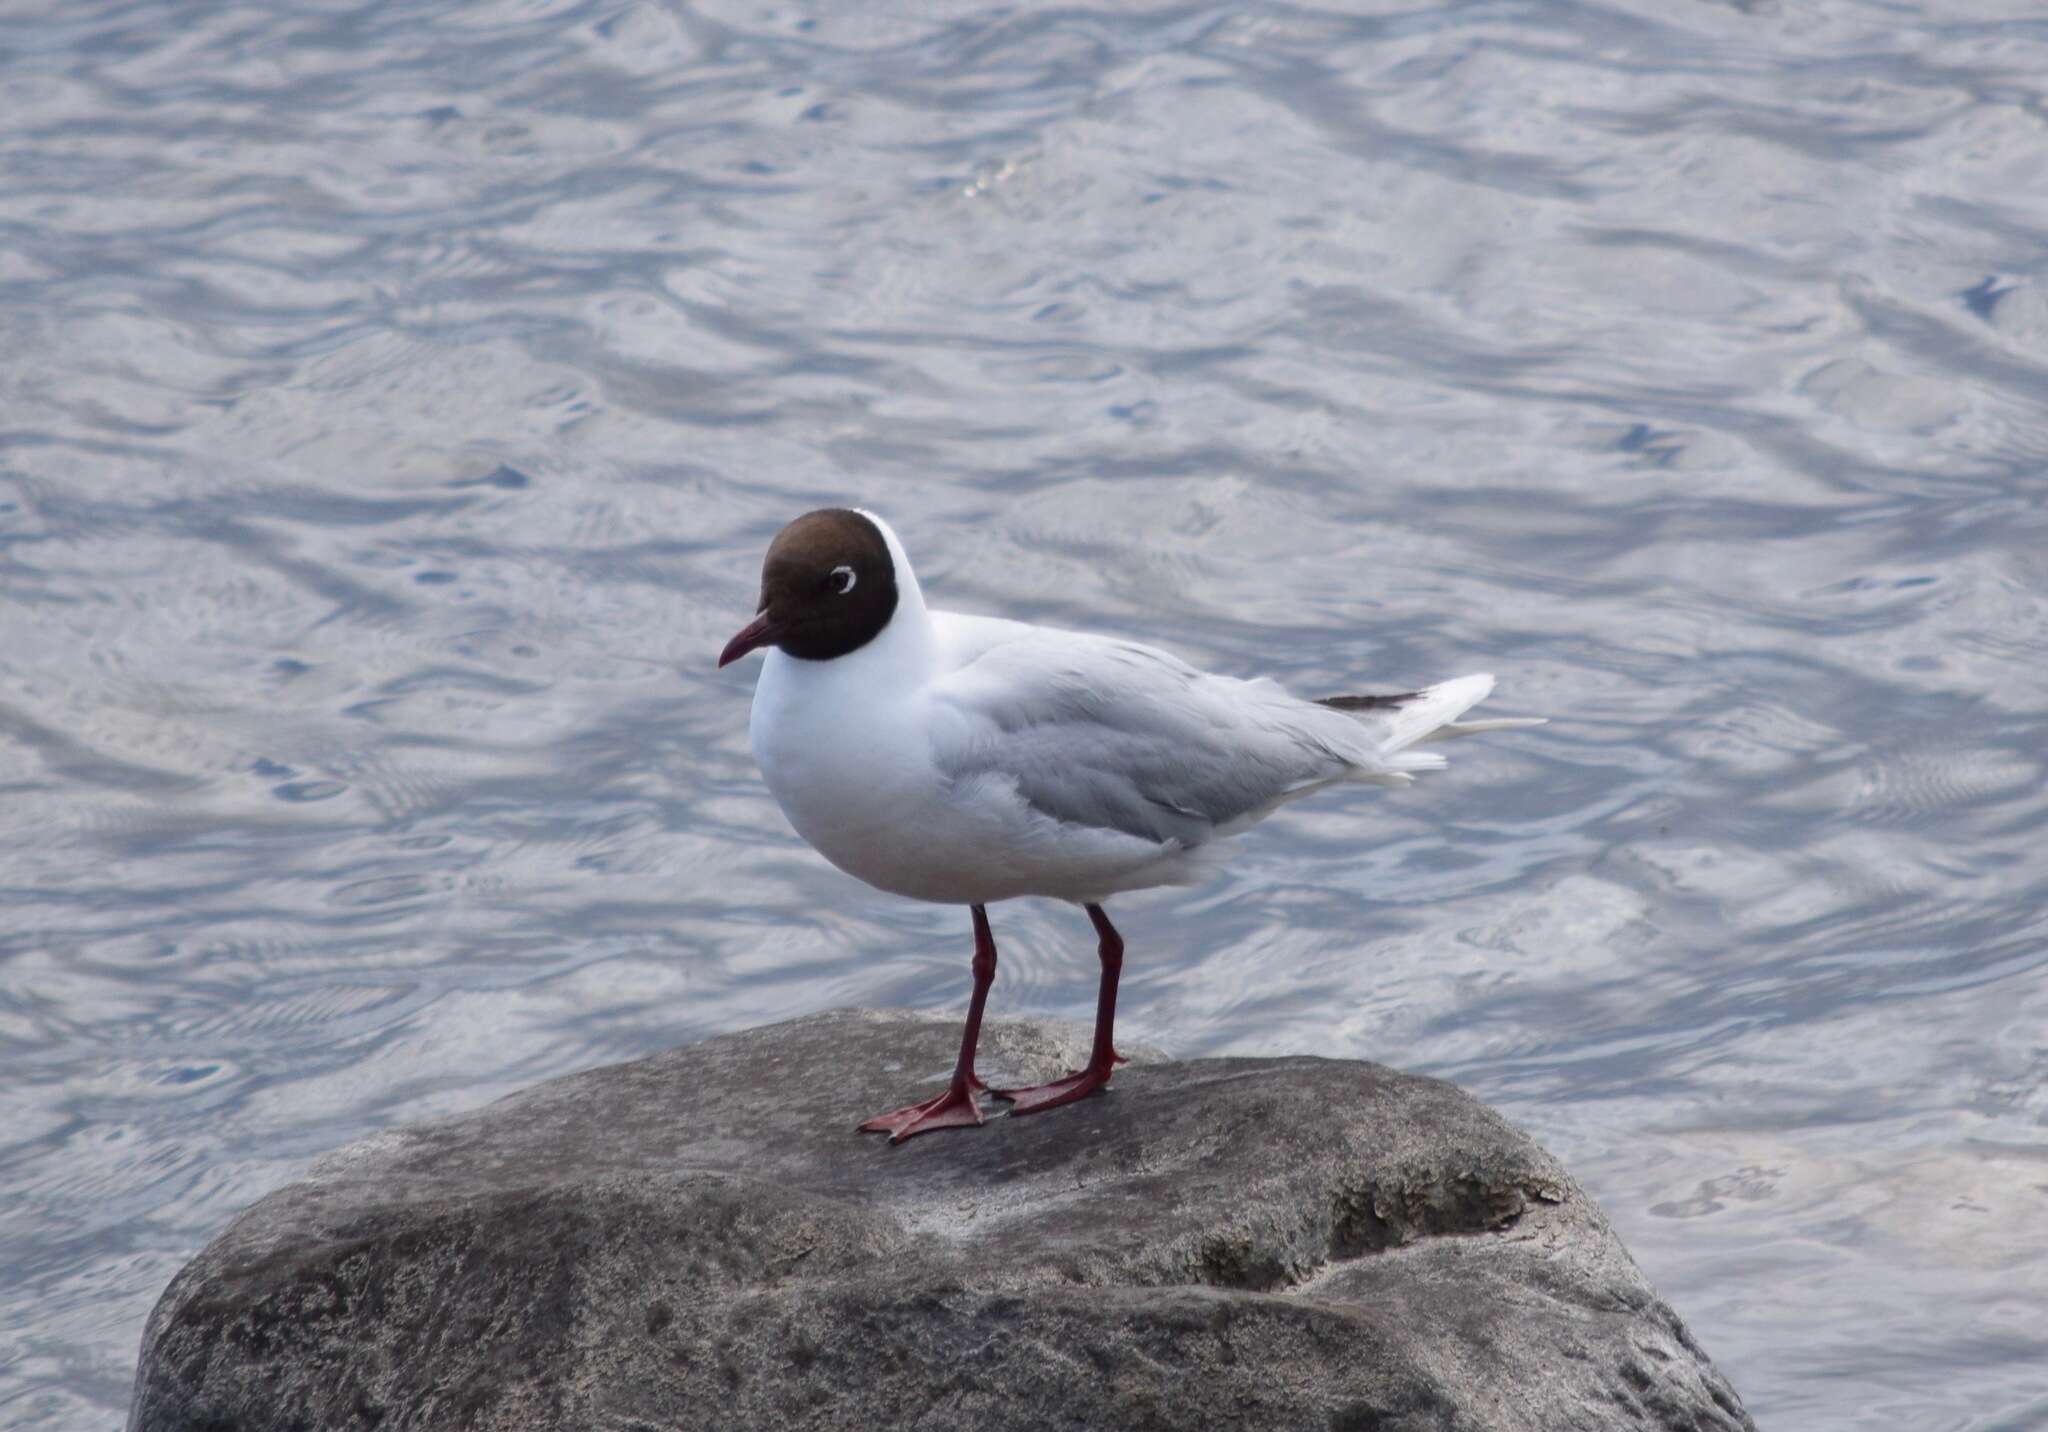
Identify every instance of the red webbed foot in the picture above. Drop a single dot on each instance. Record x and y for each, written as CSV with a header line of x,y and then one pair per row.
x,y
1078,1085
957,1108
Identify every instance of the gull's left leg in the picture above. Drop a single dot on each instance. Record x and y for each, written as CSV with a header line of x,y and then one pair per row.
x,y
957,1108
1102,1058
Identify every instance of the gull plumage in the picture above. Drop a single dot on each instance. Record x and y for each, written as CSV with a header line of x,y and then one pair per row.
x,y
967,760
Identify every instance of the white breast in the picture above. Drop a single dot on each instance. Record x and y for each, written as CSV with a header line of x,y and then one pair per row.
x,y
847,772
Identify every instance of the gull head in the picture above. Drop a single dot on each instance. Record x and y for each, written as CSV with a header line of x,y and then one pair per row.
x,y
828,587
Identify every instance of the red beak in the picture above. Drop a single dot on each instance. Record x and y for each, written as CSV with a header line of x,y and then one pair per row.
x,y
761,631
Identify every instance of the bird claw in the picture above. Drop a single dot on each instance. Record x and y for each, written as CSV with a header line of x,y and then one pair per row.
x,y
957,1108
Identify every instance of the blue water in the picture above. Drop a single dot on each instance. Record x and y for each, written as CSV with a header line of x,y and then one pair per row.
x,y
395,400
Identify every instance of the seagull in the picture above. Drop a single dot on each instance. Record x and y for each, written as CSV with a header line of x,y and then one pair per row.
x,y
967,759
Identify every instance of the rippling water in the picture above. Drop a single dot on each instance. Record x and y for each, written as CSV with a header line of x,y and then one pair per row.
x,y
395,399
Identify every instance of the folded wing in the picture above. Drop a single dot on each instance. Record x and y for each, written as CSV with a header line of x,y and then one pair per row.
x,y
1117,736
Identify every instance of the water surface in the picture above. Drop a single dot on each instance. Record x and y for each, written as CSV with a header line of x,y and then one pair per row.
x,y
395,400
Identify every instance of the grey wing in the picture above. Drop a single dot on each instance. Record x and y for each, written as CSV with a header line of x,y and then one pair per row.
x,y
1116,736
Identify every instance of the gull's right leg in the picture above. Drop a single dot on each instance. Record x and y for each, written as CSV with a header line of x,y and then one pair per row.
x,y
957,1108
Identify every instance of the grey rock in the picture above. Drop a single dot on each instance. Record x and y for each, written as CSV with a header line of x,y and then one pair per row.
x,y
700,1240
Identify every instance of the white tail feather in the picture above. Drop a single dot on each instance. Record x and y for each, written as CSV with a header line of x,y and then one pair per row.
x,y
1451,730
1430,710
1429,716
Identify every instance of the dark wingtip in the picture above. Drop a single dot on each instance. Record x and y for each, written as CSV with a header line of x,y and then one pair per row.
x,y
1368,703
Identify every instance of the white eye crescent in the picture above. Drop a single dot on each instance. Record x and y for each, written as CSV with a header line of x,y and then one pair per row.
x,y
843,579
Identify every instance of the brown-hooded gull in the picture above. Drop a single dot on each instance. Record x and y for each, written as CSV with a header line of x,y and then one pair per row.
x,y
967,759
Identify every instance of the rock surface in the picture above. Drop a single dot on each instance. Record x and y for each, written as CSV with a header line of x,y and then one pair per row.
x,y
699,1240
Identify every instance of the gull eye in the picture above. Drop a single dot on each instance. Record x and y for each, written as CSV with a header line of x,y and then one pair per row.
x,y
843,579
